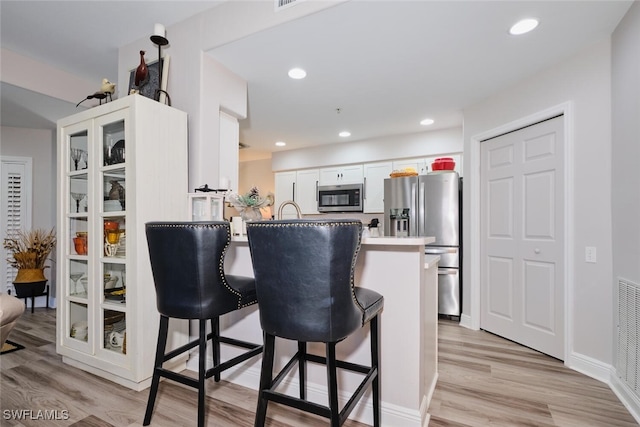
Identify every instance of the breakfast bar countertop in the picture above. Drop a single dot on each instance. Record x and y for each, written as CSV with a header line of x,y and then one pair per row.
x,y
398,269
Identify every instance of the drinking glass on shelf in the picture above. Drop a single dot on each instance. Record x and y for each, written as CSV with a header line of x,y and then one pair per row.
x,y
75,277
78,197
76,155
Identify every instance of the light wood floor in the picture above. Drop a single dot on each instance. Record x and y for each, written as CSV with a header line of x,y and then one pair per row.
x,y
484,381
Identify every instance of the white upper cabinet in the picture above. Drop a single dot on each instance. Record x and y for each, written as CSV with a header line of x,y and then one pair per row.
x,y
456,158
307,190
374,176
301,187
422,165
285,186
351,174
417,164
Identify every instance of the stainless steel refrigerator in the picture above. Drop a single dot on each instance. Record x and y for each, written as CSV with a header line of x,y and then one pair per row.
x,y
430,205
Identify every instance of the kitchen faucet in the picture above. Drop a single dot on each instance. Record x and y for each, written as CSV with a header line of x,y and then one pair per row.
x,y
289,202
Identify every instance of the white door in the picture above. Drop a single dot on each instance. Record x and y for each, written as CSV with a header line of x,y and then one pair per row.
x,y
522,229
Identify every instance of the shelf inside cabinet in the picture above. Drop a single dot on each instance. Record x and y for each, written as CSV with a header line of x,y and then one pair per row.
x,y
115,330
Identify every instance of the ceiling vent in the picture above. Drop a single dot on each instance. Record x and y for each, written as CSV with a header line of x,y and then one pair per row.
x,y
283,4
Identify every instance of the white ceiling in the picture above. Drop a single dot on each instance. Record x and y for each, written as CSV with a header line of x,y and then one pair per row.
x,y
385,64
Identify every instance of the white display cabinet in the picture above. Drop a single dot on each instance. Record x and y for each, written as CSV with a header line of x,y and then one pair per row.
x,y
120,165
207,206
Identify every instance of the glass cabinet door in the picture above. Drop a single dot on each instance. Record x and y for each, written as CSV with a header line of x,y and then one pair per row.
x,y
75,244
206,206
113,210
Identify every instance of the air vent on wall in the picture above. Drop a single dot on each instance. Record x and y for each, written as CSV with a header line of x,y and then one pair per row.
x,y
628,363
283,4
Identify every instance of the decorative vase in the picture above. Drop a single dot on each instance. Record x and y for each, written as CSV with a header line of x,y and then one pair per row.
x,y
29,275
251,214
142,72
29,282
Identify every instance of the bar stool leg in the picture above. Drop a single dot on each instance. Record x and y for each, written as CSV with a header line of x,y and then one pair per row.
x,y
160,349
302,367
332,384
215,344
202,355
266,378
375,356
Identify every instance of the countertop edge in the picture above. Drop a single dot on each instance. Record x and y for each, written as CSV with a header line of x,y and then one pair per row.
x,y
384,241
431,261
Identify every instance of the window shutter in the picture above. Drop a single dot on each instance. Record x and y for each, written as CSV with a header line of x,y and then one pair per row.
x,y
16,208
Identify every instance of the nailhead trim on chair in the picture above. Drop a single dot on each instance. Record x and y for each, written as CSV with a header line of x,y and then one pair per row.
x,y
324,224
224,251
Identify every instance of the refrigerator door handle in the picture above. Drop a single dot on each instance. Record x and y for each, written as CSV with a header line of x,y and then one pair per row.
x,y
439,251
422,220
414,218
443,271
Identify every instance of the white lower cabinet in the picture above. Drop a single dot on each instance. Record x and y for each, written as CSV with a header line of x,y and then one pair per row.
x,y
120,165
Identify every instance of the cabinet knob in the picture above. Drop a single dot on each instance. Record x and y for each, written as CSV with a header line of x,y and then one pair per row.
x,y
536,250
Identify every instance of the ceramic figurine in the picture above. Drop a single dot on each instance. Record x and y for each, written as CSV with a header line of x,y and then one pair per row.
x,y
117,192
142,72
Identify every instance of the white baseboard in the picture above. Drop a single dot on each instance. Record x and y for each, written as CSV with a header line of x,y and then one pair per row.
x,y
465,320
606,374
628,398
590,367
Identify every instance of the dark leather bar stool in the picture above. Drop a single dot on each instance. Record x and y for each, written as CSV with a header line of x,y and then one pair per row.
x,y
304,272
187,260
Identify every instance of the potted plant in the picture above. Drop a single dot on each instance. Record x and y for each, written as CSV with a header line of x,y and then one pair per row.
x,y
249,204
29,251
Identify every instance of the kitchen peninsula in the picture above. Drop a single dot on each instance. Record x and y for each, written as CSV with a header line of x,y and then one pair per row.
x,y
398,269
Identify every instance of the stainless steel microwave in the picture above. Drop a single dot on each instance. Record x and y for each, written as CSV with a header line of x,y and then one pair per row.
x,y
340,198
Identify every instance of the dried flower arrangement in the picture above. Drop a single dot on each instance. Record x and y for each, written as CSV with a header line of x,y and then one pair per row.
x,y
252,199
30,249
249,204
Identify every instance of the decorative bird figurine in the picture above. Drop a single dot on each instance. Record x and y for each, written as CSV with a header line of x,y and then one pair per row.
x,y
142,72
106,90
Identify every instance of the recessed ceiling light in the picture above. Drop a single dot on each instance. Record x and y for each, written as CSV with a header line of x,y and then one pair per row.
x,y
344,134
427,122
523,26
297,73
281,143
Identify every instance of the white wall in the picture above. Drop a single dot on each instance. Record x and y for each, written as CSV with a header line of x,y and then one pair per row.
x,y
625,191
584,80
392,147
40,145
24,72
193,78
626,146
